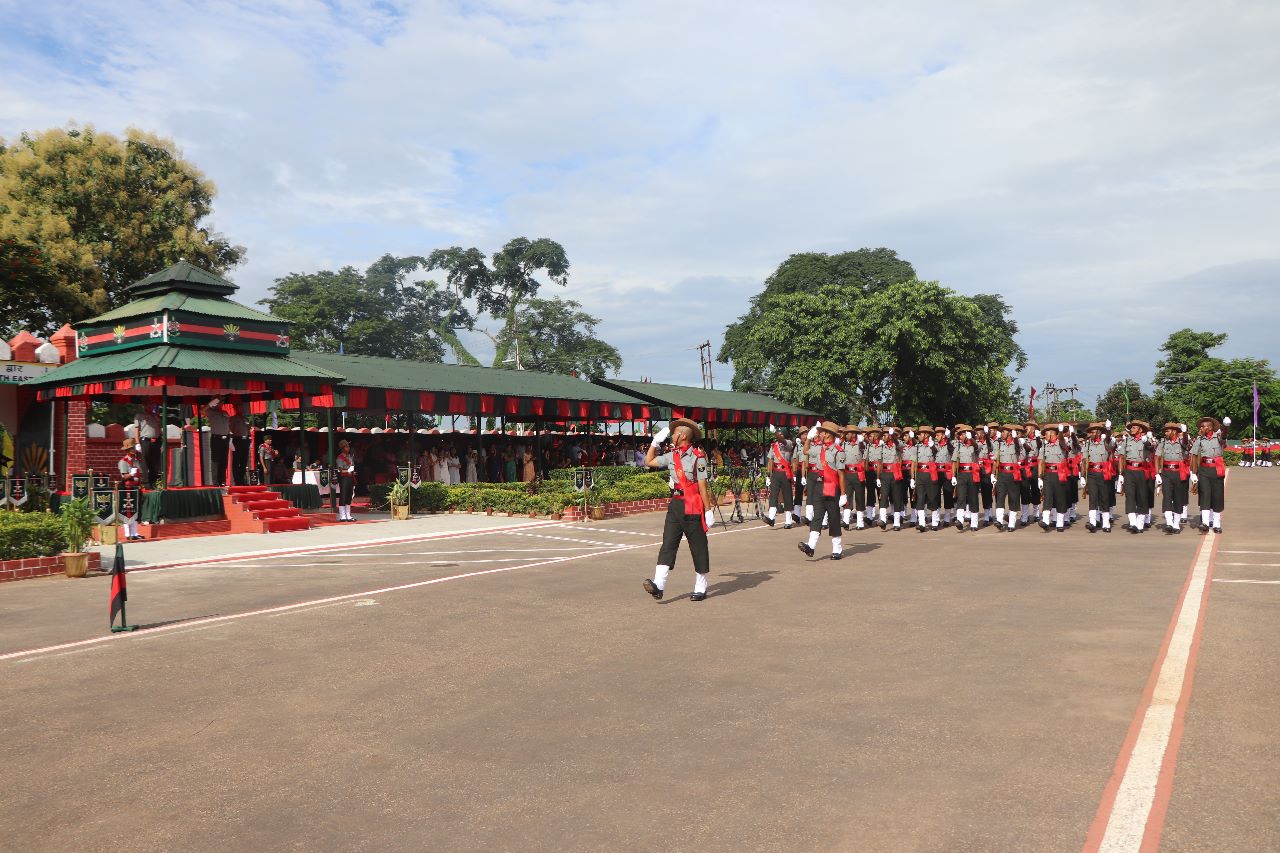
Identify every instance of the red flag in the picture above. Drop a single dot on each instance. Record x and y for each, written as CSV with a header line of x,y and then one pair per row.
x,y
1032,415
119,594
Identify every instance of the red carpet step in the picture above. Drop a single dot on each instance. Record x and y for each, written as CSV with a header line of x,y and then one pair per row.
x,y
256,509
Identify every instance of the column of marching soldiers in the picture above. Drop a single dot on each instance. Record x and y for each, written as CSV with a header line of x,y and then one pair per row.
x,y
1008,476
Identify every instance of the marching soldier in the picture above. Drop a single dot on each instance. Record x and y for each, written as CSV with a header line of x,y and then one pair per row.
x,y
1100,470
892,479
826,485
1006,477
855,476
1209,472
1172,463
346,463
1029,490
1053,472
943,448
966,474
924,471
870,453
781,477
130,468
690,512
990,436
1137,474
797,466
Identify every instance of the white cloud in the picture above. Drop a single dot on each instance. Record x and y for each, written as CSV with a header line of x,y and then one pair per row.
x,y
1064,156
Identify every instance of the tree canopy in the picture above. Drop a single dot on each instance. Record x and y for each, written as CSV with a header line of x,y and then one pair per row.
x,y
92,213
377,312
557,337
837,334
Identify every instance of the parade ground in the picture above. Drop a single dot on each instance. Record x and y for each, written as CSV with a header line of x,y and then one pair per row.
x,y
489,683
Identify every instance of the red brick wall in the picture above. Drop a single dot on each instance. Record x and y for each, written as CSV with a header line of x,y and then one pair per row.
x,y
73,454
38,567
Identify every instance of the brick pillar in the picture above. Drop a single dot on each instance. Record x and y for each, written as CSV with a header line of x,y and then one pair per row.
x,y
65,340
74,455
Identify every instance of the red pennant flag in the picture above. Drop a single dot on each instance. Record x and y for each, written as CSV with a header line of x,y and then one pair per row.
x,y
119,593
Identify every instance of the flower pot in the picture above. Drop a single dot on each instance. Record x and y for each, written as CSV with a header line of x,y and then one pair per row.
x,y
400,513
533,515
510,514
557,516
597,513
488,510
75,565
106,534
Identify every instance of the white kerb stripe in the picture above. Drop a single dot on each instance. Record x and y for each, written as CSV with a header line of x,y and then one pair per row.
x,y
1134,798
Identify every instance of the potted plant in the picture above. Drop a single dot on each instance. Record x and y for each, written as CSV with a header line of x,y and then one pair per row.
x,y
77,517
399,500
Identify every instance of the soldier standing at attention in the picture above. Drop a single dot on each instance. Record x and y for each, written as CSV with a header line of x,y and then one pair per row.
x,y
689,514
797,466
944,446
346,480
1209,472
780,479
1030,489
1053,470
1136,474
129,467
1100,471
1006,477
1173,480
826,484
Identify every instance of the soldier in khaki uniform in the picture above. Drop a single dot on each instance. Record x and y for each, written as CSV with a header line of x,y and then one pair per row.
x,y
826,482
966,476
1006,476
1173,479
1137,474
1098,455
690,512
1208,472
1053,473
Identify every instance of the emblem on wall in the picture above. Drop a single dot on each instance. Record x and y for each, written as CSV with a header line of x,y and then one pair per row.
x,y
232,331
157,328
117,332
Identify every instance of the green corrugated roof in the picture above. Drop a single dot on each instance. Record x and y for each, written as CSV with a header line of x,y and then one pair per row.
x,y
183,275
160,360
366,371
685,396
211,306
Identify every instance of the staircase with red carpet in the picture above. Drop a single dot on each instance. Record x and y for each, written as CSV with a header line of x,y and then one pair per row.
x,y
257,509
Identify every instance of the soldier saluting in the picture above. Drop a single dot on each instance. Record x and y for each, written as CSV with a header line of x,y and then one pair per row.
x,y
1135,453
690,512
826,485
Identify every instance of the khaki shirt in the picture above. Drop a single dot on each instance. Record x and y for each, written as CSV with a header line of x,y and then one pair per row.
x,y
1053,453
1135,450
1171,451
968,454
218,420
695,466
1097,452
1202,446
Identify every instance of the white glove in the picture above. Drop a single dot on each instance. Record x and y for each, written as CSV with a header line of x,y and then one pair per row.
x,y
1226,421
660,436
813,431
1040,484
844,499
1159,481
861,438
351,470
953,482
1194,478
993,479
1182,427
802,481
808,512
711,518
133,472
1119,484
880,482
947,432
1108,424
771,428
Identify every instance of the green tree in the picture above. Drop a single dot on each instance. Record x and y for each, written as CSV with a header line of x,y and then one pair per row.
x,y
500,288
1185,351
860,346
557,337
100,212
1125,400
378,312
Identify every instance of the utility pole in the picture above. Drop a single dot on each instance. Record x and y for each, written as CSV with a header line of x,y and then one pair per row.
x,y
1057,391
704,352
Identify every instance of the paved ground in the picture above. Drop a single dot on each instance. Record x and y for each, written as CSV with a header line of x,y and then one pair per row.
x,y
516,689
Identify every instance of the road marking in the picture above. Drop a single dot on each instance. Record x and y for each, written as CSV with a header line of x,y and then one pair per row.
x,y
612,530
560,538
1225,551
1131,814
1255,565
474,551
1242,580
189,624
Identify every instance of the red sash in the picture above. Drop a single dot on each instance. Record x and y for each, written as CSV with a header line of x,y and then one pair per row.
x,y
1216,463
1147,468
828,473
1014,467
973,468
127,481
688,489
1182,466
930,468
779,461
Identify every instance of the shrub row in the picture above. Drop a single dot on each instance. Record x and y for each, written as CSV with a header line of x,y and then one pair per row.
x,y
31,534
541,496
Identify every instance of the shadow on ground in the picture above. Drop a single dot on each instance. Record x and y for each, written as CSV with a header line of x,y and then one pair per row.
x,y
739,581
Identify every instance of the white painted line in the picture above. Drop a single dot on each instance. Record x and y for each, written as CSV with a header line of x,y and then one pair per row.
x,y
1225,551
560,538
476,551
191,624
1242,580
1255,565
1135,797
612,530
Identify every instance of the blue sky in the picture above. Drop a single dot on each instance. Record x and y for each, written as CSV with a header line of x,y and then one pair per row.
x,y
1112,169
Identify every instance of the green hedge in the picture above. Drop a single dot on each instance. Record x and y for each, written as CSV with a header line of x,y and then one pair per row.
x,y
31,534
602,476
541,496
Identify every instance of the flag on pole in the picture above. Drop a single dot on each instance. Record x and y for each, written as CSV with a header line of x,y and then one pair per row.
x,y
1256,403
119,594
1032,416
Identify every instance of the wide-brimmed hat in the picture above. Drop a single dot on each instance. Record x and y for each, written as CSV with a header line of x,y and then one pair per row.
x,y
963,428
872,428
1097,425
128,444
1211,420
693,427
1140,423
993,424
1053,427
1013,427
1032,425
853,428
1172,425
830,426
